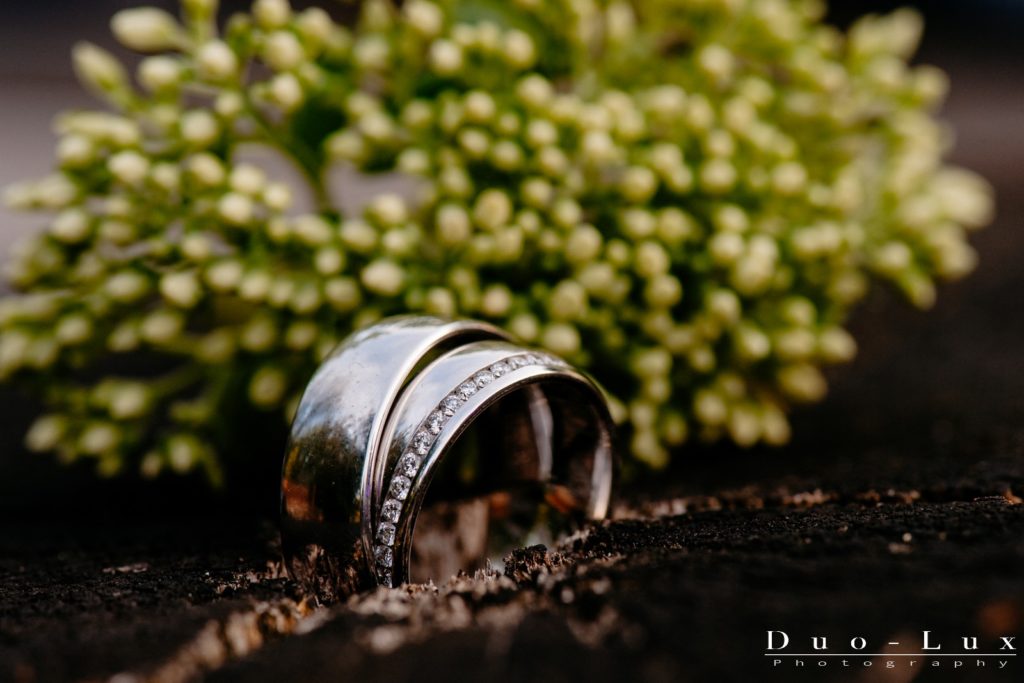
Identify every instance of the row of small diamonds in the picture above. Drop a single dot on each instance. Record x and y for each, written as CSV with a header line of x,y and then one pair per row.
x,y
409,464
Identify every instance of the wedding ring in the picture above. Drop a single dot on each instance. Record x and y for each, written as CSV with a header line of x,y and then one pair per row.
x,y
423,446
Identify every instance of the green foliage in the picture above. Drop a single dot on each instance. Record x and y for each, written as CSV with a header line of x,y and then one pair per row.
x,y
685,198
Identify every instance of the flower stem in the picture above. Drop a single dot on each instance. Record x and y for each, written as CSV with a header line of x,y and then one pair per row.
x,y
301,156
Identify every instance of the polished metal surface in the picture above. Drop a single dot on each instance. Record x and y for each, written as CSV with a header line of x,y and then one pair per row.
x,y
325,484
543,427
576,463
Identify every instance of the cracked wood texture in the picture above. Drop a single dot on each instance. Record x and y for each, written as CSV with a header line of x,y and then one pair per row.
x,y
897,509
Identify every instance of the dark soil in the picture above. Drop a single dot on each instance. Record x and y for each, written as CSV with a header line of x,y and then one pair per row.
x,y
678,597
896,510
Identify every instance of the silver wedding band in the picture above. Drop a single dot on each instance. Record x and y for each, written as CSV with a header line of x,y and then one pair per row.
x,y
418,418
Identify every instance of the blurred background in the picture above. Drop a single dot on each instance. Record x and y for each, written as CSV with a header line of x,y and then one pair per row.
x,y
929,392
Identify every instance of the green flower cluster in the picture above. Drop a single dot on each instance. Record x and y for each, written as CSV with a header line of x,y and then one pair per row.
x,y
685,197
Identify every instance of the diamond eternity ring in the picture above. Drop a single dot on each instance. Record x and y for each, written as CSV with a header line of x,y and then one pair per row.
x,y
422,447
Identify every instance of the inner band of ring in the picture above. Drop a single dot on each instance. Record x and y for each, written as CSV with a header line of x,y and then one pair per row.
x,y
441,402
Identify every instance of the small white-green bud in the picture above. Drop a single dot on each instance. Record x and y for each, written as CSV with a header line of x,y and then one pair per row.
x,y
414,162
124,338
789,178
717,175
98,69
151,464
496,301
646,447
583,244
519,50
893,258
73,329
282,51
183,452
71,226
199,128
259,334
271,14
453,224
424,17
561,338
329,261
710,407
774,426
567,301
147,29
286,91
160,74
567,213
751,343
166,176
301,335
312,230
383,277
719,143
651,259
836,345
99,438
76,151
127,286
493,209
965,197
793,344
46,433
535,91
342,293
638,184
229,104
553,161
306,299
724,305
731,218
277,196
225,275
726,247
181,289
207,169
652,363
802,382
318,29
445,57
700,115
216,61
129,400
744,425
799,311
440,301
506,155
348,145
525,326
389,208
674,226
371,52
663,291
235,208
597,147
358,236
128,167
247,179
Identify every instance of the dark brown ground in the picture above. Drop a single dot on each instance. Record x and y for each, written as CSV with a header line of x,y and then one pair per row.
x,y
896,510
